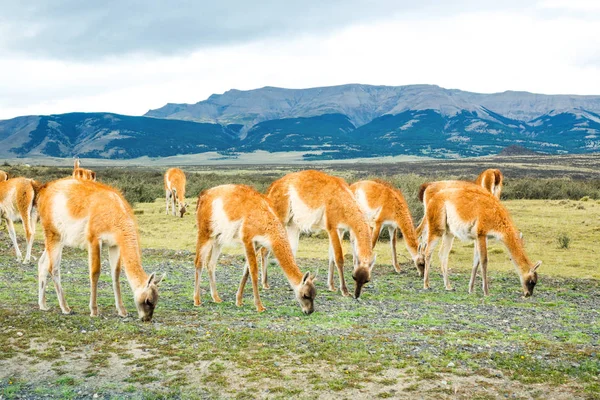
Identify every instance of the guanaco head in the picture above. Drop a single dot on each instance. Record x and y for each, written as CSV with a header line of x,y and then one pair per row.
x,y
306,293
147,297
529,280
420,259
183,208
362,274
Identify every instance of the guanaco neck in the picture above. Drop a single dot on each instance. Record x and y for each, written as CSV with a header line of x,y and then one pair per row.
x,y
131,257
283,253
515,247
405,222
360,228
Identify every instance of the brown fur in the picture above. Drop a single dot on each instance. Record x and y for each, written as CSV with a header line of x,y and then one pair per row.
x,y
472,212
3,176
174,181
390,207
92,214
245,214
331,201
17,201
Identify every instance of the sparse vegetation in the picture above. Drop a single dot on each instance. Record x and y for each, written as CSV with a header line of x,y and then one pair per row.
x,y
563,240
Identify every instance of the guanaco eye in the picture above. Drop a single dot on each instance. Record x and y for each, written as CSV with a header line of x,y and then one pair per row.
x,y
148,302
307,297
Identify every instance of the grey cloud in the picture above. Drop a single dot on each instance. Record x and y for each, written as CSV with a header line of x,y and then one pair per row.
x,y
87,30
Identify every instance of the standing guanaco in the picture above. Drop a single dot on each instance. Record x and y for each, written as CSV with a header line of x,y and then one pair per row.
x,y
17,201
473,213
239,212
81,213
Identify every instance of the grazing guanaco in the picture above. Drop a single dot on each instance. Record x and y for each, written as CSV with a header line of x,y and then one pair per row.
x,y
472,213
313,200
80,213
17,201
82,173
385,206
175,190
229,212
3,176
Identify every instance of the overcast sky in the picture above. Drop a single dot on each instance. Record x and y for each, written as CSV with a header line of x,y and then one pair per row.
x,y
127,57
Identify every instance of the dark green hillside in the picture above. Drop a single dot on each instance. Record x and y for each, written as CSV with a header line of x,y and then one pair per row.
x,y
293,134
121,136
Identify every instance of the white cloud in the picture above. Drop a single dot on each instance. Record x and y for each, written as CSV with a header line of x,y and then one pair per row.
x,y
481,52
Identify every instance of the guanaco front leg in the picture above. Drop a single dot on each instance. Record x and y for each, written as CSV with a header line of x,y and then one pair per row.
x,y
376,233
392,233
253,267
240,293
475,265
94,262
431,243
483,258
114,259
336,245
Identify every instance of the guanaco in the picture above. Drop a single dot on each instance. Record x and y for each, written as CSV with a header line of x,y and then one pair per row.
x,y
175,190
313,200
17,201
472,213
385,206
3,176
229,212
491,179
81,213
82,173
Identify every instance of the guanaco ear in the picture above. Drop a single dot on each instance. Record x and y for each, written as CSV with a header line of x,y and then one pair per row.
x,y
150,279
305,278
159,279
373,262
536,266
521,235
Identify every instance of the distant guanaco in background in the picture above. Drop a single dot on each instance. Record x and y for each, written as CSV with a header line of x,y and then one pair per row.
x,y
175,190
17,202
385,206
3,176
238,212
473,213
312,200
82,173
80,213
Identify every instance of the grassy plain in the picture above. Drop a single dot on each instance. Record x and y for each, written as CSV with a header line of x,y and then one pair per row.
x,y
398,341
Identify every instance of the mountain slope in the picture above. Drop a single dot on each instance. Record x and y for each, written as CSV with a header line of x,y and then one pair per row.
x,y
109,136
363,103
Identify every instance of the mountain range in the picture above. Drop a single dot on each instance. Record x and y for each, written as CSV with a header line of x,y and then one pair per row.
x,y
337,122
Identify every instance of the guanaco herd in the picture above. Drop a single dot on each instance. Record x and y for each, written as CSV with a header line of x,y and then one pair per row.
x,y
80,212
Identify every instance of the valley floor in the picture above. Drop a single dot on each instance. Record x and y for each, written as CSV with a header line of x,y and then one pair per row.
x,y
398,341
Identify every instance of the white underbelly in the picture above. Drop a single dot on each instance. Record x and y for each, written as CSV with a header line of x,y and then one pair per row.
x,y
223,229
307,219
73,231
463,230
